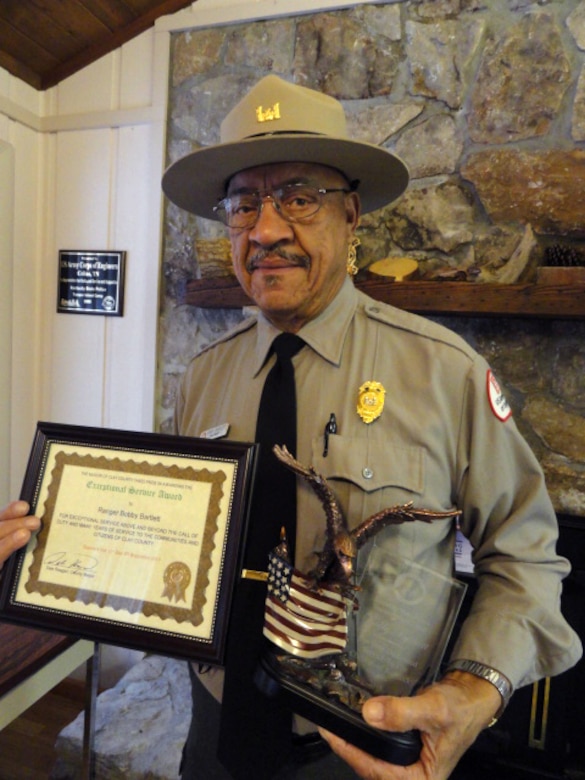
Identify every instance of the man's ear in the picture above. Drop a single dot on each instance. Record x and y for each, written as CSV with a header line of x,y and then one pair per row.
x,y
353,210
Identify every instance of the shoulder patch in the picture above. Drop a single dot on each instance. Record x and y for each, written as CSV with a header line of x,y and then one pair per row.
x,y
499,406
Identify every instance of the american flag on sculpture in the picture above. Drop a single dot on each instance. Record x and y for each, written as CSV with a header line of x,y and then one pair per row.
x,y
303,620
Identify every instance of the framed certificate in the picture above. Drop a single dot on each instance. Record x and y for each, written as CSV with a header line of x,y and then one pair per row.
x,y
140,542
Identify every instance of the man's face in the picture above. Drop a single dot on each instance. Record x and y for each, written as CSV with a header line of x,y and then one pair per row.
x,y
293,270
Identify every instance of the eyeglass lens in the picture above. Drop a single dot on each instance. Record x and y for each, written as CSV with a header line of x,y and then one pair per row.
x,y
294,203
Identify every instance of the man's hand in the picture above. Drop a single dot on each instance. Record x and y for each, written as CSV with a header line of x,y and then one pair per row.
x,y
449,716
16,526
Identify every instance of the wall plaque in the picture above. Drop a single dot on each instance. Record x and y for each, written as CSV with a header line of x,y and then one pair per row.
x,y
91,282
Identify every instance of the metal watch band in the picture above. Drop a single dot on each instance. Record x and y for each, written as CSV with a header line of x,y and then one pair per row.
x,y
496,678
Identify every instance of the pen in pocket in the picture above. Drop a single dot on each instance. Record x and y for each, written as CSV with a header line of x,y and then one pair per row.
x,y
331,427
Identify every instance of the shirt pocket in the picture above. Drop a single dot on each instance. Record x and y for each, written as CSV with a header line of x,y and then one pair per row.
x,y
372,464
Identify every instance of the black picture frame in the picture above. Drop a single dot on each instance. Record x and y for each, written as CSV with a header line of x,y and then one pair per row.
x,y
115,564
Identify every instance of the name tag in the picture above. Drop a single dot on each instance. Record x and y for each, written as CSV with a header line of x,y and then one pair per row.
x,y
218,432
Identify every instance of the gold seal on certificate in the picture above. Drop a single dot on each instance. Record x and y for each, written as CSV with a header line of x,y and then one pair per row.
x,y
177,577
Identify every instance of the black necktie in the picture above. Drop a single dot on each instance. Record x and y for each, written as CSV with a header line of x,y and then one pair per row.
x,y
255,731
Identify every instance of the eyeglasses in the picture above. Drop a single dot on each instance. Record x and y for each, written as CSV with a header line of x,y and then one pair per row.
x,y
293,202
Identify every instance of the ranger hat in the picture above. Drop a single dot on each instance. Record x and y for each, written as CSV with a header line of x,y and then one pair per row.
x,y
279,122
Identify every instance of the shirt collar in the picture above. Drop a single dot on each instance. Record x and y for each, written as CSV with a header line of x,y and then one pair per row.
x,y
325,334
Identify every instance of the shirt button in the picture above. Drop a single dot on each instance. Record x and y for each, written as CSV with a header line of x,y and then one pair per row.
x,y
367,473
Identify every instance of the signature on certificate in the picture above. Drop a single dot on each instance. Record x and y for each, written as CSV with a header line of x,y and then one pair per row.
x,y
71,563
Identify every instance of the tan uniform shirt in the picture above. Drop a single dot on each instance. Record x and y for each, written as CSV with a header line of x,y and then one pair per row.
x,y
437,443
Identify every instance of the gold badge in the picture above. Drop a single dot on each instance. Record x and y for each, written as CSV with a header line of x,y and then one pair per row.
x,y
268,114
177,577
370,401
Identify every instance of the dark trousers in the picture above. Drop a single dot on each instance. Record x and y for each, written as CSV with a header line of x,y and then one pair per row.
x,y
199,755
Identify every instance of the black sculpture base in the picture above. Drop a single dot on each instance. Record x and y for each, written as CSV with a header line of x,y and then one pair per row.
x,y
396,748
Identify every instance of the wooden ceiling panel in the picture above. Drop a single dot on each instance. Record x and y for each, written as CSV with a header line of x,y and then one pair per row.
x,y
113,13
71,17
56,40
21,46
43,42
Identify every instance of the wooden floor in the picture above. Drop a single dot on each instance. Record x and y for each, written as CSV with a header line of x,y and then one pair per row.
x,y
27,744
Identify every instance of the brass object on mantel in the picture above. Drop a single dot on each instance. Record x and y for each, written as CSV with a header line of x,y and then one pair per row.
x,y
459,298
399,269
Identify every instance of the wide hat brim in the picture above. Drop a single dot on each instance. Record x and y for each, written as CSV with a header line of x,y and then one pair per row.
x,y
198,181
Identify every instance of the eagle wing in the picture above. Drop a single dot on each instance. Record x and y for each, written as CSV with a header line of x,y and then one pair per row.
x,y
395,515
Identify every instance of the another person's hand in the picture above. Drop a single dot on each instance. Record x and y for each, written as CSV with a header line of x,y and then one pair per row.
x,y
449,716
16,526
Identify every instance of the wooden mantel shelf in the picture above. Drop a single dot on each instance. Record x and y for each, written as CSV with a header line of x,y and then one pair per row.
x,y
461,298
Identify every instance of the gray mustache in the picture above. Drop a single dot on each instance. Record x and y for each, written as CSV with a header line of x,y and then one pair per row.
x,y
303,261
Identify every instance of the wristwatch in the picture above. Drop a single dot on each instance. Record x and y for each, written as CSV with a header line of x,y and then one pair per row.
x,y
496,678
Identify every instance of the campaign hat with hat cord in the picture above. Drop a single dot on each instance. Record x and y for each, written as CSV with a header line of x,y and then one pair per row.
x,y
280,122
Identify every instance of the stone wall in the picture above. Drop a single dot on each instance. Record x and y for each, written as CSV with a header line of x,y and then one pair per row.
x,y
485,101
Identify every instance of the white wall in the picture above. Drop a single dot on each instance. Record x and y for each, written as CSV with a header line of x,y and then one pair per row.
x,y
6,253
88,161
20,365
